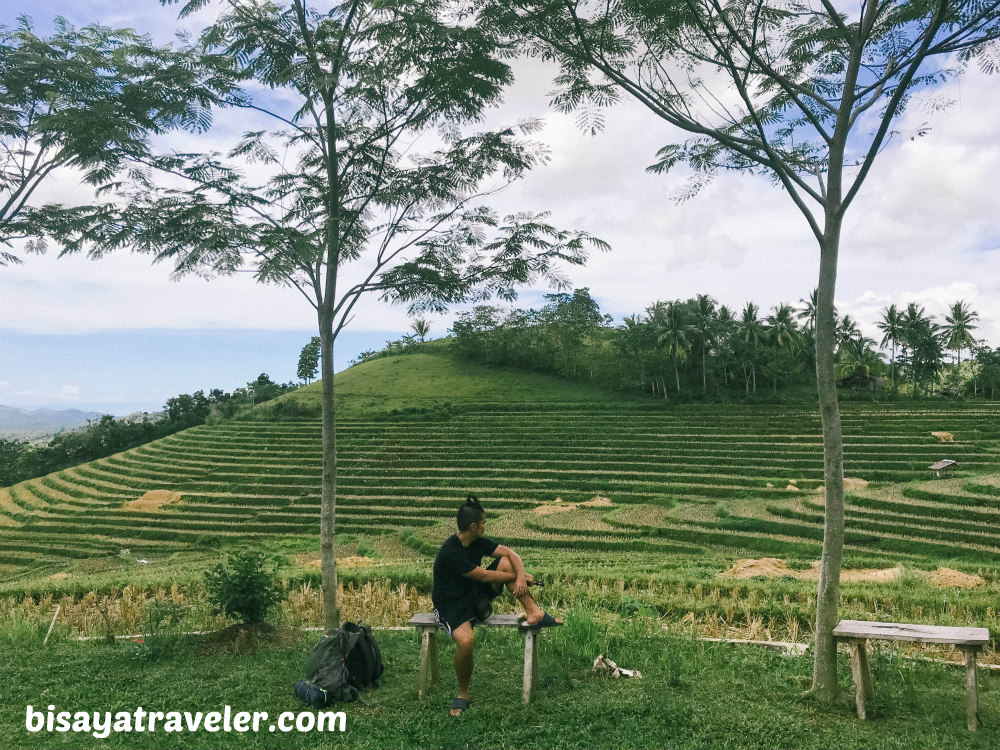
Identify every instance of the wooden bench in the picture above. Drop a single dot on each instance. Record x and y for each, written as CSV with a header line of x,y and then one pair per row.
x,y
428,628
856,632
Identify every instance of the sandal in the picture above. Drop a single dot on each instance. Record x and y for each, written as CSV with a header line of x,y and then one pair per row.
x,y
462,704
547,621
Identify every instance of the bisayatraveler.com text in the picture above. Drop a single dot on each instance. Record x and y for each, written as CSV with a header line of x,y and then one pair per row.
x,y
102,724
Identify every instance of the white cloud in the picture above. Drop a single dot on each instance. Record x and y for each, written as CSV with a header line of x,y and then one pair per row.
x,y
924,228
69,390
4,383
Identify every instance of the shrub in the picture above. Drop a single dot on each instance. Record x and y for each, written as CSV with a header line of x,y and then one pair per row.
x,y
243,587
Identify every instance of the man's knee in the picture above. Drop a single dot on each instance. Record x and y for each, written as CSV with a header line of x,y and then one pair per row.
x,y
505,566
464,637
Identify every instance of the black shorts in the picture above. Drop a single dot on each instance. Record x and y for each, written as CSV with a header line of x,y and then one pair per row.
x,y
476,608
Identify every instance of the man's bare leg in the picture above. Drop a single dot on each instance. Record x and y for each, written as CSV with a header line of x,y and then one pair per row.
x,y
465,639
532,612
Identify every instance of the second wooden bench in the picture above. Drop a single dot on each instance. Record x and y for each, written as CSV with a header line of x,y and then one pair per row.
x,y
855,633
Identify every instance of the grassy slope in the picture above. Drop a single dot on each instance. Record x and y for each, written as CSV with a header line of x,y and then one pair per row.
x,y
422,381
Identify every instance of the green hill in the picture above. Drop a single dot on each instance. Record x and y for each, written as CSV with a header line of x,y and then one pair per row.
x,y
612,498
432,382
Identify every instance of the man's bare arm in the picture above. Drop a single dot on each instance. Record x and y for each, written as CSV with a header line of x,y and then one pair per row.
x,y
490,576
518,577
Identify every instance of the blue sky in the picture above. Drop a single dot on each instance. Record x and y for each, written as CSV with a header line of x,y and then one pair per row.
x,y
925,228
121,371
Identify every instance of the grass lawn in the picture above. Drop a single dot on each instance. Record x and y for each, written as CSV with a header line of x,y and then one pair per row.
x,y
693,694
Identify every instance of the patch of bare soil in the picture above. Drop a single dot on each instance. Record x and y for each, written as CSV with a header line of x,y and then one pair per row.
x,y
857,574
944,437
956,579
153,501
548,509
597,502
765,566
59,576
244,639
773,567
311,561
850,483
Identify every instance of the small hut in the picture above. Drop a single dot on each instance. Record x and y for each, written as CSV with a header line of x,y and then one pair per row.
x,y
943,466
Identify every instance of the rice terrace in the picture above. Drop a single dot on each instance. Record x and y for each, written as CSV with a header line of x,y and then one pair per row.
x,y
698,520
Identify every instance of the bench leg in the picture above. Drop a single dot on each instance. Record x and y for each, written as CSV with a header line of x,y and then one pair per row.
x,y
428,660
971,689
530,663
434,657
534,661
863,690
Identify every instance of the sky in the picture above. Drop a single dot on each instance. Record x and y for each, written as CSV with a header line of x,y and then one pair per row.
x,y
118,335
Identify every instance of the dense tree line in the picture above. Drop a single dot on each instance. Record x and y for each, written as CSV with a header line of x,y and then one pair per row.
x,y
21,460
697,348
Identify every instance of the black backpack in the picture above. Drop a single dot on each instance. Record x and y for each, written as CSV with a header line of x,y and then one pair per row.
x,y
364,659
339,665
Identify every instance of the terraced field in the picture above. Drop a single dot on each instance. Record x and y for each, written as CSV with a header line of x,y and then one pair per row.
x,y
737,478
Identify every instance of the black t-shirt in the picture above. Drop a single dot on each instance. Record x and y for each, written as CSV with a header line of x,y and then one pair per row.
x,y
453,561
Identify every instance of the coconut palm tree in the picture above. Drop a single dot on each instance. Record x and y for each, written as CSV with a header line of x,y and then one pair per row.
x,y
725,327
891,326
781,328
857,357
673,333
915,324
783,335
960,319
634,343
421,327
847,330
808,310
705,331
751,331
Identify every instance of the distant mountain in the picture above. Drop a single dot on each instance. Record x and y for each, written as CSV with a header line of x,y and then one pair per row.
x,y
31,423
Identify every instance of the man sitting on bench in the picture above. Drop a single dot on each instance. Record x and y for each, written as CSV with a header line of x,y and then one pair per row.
x,y
464,590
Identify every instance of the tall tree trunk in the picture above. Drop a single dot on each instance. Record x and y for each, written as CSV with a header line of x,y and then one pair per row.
x,y
325,307
677,376
958,373
328,499
824,684
704,379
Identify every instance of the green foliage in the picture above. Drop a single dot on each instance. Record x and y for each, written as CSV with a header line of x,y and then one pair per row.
x,y
694,349
244,586
86,99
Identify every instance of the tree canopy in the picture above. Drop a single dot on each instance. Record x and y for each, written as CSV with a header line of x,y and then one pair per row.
x,y
85,99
